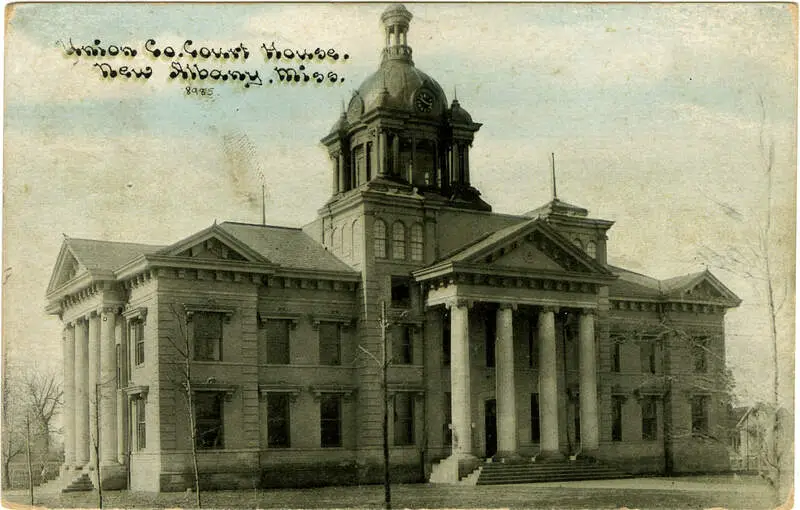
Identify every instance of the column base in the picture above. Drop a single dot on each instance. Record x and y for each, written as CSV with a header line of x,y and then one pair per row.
x,y
550,456
588,453
114,476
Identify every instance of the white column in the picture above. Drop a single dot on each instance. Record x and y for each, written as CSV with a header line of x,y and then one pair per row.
x,y
108,387
93,379
459,380
81,406
588,389
69,395
548,390
342,171
382,151
504,381
122,408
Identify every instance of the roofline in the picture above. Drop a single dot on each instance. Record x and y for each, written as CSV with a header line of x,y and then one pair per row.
x,y
80,282
428,273
153,261
260,225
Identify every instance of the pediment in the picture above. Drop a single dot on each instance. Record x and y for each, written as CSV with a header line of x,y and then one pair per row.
x,y
67,267
213,244
539,248
703,290
705,287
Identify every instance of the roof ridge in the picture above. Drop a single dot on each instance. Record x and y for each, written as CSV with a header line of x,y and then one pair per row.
x,y
112,242
245,224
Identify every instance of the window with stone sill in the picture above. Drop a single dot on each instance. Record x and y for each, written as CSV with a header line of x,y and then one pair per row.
x,y
141,423
700,354
402,345
207,334
330,420
616,417
277,338
699,405
417,242
208,409
330,343
379,239
137,340
278,420
398,241
649,419
403,418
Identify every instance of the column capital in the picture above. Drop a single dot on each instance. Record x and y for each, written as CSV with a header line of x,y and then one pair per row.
x,y
550,309
507,306
109,309
459,303
589,311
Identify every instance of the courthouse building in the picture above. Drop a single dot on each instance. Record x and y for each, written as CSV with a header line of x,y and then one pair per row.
x,y
509,337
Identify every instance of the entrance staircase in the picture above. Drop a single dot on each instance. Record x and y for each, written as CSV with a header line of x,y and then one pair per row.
x,y
81,483
494,473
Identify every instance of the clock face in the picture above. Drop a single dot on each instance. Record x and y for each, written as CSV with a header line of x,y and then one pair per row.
x,y
424,101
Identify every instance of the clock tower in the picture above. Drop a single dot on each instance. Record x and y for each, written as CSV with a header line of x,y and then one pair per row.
x,y
399,131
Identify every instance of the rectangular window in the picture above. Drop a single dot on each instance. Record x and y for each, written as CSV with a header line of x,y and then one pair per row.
x,y
446,339
330,420
277,342
616,417
533,344
447,432
649,419
278,420
207,336
616,356
330,344
401,292
700,414
700,354
647,356
403,418
141,424
118,357
402,345
491,338
208,420
137,340
536,433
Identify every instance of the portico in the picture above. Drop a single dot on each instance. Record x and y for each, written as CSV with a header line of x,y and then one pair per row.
x,y
514,289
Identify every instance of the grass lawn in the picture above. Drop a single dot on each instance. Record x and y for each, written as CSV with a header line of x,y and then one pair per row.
x,y
684,492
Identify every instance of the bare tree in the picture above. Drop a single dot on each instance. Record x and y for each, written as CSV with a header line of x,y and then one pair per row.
x,y
182,376
46,399
756,262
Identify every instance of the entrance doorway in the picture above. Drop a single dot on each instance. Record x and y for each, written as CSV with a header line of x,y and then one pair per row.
x,y
490,408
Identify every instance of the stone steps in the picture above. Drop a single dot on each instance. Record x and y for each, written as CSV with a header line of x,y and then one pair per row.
x,y
80,484
499,473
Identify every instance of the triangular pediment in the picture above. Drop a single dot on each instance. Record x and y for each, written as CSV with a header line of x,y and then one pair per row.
x,y
527,255
531,246
67,267
213,244
702,287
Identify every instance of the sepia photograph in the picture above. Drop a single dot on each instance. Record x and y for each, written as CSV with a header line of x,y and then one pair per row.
x,y
421,255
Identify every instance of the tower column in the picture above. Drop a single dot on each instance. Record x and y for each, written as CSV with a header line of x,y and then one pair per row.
x,y
465,148
93,379
81,405
395,154
342,171
108,387
548,385
590,440
68,350
382,152
504,381
456,162
335,185
460,380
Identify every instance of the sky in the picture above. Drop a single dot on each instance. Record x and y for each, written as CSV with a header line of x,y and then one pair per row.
x,y
662,118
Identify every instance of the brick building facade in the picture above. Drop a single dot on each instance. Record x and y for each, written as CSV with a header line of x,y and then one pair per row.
x,y
509,336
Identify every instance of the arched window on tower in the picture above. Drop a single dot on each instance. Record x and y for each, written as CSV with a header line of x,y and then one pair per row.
x,y
347,240
355,237
591,249
336,241
379,239
417,242
398,240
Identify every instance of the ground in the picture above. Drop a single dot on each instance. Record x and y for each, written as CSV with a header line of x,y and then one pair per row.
x,y
728,491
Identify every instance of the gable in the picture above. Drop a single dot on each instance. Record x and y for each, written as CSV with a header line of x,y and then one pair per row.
x,y
67,268
214,243
703,290
527,256
212,248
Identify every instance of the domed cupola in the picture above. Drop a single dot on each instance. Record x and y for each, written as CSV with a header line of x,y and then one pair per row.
x,y
400,131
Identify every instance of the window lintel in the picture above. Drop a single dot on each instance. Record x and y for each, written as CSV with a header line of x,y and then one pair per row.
x,y
292,390
226,311
136,391
214,387
346,391
292,318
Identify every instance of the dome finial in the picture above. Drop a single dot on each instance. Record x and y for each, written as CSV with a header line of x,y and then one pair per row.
x,y
396,20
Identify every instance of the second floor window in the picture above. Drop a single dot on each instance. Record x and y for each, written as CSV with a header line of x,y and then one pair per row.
x,y
398,241
137,340
379,239
330,348
207,330
417,243
277,342
403,345
700,354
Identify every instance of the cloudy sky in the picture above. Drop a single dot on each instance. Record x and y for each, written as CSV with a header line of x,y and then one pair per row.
x,y
661,117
